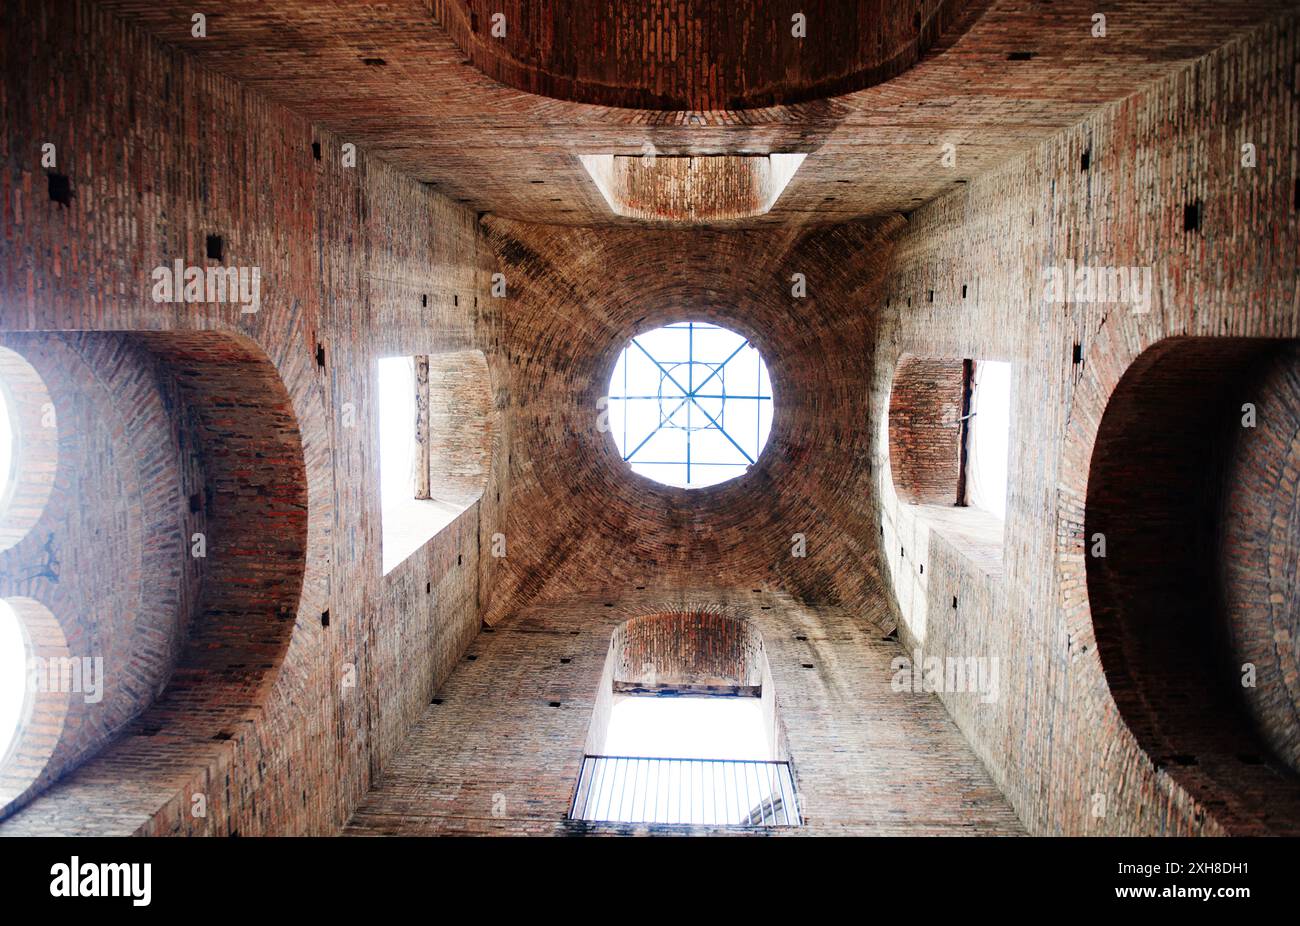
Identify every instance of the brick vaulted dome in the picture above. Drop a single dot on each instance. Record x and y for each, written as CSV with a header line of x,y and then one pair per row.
x,y
817,350
695,54
315,315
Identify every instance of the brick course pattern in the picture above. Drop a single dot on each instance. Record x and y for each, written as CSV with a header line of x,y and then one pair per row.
x,y
1062,752
494,754
160,154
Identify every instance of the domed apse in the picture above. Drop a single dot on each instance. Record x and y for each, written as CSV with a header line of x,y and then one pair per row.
x,y
696,55
1193,533
690,404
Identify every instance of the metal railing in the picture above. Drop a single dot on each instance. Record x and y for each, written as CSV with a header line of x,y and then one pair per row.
x,y
709,792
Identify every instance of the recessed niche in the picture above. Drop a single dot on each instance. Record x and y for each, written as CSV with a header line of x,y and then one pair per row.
x,y
1195,604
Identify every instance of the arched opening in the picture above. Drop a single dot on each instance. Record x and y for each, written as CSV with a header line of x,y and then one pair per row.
x,y
1192,536
947,438
29,449
34,700
435,445
149,575
685,728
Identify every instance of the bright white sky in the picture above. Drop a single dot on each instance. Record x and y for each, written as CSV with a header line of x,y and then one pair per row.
x,y
645,401
6,448
13,675
989,437
687,728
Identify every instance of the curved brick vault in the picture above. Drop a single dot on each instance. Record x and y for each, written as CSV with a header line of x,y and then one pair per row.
x,y
1125,152
694,54
581,518
164,438
1196,586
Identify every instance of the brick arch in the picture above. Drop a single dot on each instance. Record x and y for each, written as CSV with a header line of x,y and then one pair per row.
x,y
688,55
925,408
706,650
35,451
1175,606
40,727
171,442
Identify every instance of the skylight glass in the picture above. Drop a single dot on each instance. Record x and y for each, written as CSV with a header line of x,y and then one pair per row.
x,y
690,404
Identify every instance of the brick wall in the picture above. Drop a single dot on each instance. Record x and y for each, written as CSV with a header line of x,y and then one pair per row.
x,y
1060,749
925,406
499,749
160,155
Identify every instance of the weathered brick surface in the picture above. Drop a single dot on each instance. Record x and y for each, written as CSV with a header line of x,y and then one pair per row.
x,y
389,78
160,155
363,262
925,406
1060,748
492,755
683,54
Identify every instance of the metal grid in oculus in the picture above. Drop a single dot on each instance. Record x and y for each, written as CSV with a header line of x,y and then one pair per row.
x,y
690,404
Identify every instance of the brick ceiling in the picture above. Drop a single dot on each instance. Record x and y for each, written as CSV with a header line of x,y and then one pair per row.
x,y
389,77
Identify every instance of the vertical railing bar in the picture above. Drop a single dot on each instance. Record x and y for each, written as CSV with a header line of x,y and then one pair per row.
x,y
749,801
787,799
597,782
657,767
732,798
588,765
647,813
603,791
623,792
780,784
681,791
577,795
611,812
636,786
690,793
645,798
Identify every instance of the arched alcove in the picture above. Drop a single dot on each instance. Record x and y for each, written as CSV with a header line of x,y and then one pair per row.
x,y
169,555
713,728
1191,535
44,710
32,429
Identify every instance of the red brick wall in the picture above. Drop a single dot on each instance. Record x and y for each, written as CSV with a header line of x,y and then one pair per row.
x,y
1061,749
160,155
925,405
499,749
652,54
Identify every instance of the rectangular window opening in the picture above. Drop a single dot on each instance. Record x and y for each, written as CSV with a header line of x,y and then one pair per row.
x,y
687,760
409,516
